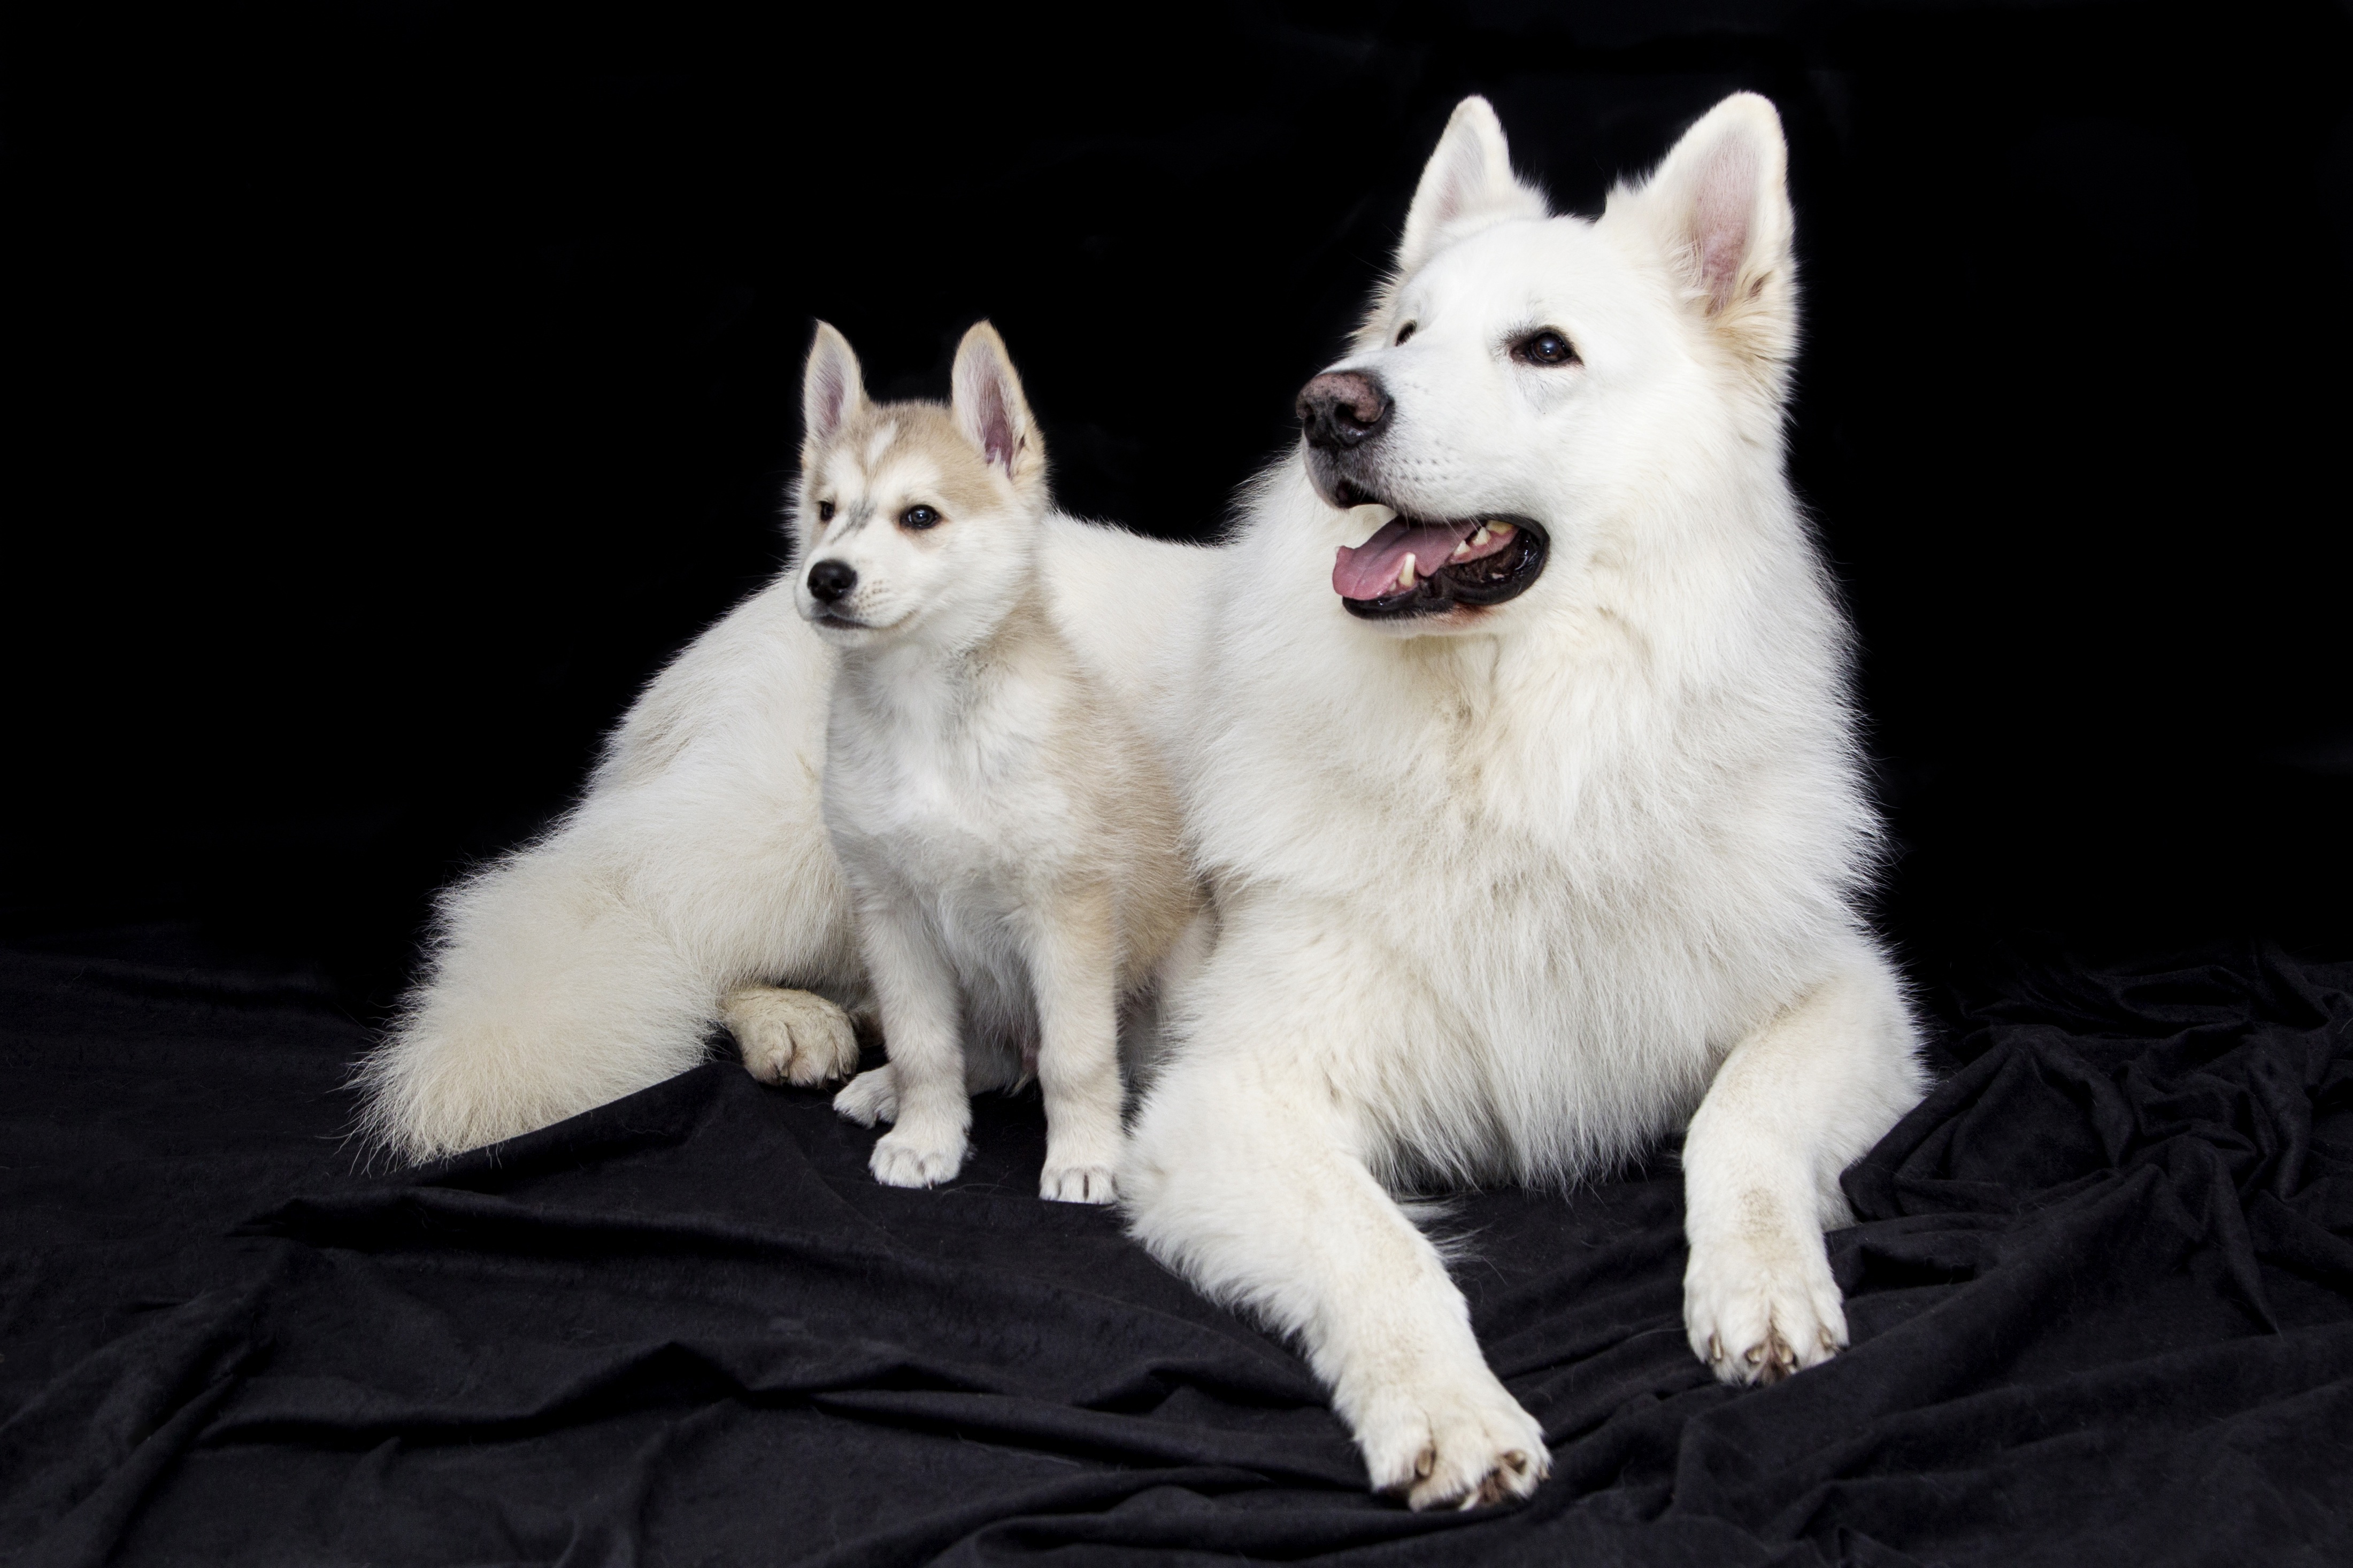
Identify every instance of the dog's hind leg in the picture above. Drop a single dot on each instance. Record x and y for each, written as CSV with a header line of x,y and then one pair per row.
x,y
790,1036
1791,1107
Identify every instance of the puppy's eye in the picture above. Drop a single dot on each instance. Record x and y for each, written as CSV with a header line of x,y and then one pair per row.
x,y
1545,346
918,518
1406,331
824,511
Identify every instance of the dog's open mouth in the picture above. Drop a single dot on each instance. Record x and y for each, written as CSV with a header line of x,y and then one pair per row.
x,y
1410,567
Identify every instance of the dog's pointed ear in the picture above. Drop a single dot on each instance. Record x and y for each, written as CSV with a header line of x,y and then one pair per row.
x,y
832,389
1718,210
988,407
1467,184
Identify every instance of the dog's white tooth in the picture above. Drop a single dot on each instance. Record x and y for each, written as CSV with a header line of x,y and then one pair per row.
x,y
1478,539
1461,550
1405,573
1503,530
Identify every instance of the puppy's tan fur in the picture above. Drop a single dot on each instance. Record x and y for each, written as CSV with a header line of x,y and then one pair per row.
x,y
1010,842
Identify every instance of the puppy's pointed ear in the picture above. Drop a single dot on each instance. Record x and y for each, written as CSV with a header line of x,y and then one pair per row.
x,y
1717,209
1467,184
832,389
988,407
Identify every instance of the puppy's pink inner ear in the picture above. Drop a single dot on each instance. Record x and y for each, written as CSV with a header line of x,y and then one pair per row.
x,y
995,417
832,394
1720,218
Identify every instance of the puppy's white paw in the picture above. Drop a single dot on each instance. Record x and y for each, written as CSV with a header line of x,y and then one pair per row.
x,y
1463,1443
1760,1304
870,1097
1078,1185
906,1157
790,1036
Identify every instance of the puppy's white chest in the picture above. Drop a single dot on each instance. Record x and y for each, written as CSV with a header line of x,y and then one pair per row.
x,y
953,811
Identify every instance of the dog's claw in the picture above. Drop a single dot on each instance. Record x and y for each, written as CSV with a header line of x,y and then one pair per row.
x,y
1758,1314
790,1036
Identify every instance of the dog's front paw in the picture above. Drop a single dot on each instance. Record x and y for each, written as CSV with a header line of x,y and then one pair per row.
x,y
906,1157
870,1097
1761,1304
790,1036
1078,1185
1464,1443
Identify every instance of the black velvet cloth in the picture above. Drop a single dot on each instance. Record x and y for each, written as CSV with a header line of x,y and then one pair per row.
x,y
2101,1292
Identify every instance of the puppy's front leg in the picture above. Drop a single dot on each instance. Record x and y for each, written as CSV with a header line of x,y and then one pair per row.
x,y
917,991
1791,1107
1073,963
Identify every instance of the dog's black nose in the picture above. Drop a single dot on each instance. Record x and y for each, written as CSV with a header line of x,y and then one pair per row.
x,y
1343,408
829,580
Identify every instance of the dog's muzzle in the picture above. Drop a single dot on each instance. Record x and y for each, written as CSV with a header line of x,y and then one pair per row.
x,y
1340,412
1412,566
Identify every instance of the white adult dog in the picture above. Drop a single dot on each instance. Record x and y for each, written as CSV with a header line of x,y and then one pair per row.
x,y
1514,742
1535,821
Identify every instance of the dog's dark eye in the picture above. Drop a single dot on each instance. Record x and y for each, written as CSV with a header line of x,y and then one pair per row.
x,y
1406,331
1546,347
918,517
824,511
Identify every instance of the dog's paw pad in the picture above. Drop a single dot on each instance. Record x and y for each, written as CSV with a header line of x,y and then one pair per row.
x,y
790,1036
1079,1184
870,1097
903,1162
1445,1446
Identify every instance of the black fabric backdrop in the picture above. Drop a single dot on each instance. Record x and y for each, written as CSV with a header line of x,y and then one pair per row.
x,y
2101,1292
395,385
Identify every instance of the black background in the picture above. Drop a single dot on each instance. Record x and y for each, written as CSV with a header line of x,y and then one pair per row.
x,y
399,384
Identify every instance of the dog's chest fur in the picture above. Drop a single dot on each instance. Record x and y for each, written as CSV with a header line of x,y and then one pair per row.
x,y
1594,857
948,783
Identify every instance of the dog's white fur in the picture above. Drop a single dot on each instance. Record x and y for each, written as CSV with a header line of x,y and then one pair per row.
x,y
694,875
1010,838
1512,894
1505,897
592,963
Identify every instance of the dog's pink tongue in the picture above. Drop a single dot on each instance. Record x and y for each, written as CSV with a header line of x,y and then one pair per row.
x,y
1370,570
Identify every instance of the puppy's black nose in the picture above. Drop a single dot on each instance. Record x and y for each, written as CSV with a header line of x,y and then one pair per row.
x,y
1343,408
829,580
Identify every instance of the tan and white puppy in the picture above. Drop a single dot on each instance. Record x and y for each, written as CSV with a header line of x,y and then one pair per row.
x,y
1010,844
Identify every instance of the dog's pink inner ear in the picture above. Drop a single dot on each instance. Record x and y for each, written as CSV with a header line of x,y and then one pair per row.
x,y
1721,211
1460,183
828,393
994,418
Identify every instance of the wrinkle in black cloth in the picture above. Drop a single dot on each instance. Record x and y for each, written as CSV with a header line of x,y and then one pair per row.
x,y
2100,1284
